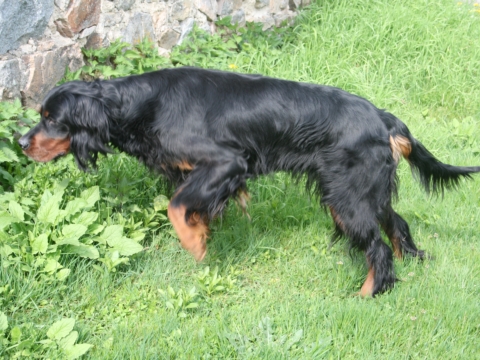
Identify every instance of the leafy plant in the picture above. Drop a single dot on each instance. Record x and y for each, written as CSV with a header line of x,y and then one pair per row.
x,y
60,342
119,59
232,46
211,283
13,120
57,226
180,301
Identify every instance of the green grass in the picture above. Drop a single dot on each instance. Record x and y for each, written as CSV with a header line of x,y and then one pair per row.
x,y
282,291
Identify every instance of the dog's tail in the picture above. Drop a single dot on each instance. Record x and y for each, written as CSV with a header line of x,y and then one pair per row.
x,y
434,175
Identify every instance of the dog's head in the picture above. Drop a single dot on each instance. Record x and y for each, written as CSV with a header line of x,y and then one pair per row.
x,y
73,119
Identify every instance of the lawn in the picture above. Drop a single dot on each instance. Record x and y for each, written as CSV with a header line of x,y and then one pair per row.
x,y
273,286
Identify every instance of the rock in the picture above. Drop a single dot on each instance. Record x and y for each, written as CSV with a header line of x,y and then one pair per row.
x,y
139,27
86,32
187,27
124,5
180,10
64,28
208,7
259,4
21,20
44,70
169,39
294,4
82,14
94,41
12,79
225,7
238,17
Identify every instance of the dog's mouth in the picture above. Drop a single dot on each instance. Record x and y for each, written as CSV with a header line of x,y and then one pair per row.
x,y
44,157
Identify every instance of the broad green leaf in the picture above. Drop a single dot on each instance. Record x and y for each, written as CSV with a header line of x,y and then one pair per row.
x,y
39,244
69,340
6,219
136,236
5,197
95,229
125,246
52,265
74,206
62,274
15,334
49,211
86,218
112,233
3,322
86,251
91,195
160,203
61,328
16,210
71,234
76,351
5,250
27,201
74,230
45,197
61,186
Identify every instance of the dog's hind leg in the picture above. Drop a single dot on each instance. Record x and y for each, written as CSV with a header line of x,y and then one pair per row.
x,y
360,225
204,195
397,230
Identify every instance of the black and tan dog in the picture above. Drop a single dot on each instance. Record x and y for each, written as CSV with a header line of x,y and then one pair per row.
x,y
208,131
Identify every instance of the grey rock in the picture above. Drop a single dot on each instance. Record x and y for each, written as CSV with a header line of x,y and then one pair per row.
x,y
124,5
207,7
294,4
169,39
181,10
259,4
139,27
12,79
21,20
187,27
225,7
238,17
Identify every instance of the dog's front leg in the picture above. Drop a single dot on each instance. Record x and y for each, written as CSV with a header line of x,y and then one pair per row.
x,y
191,230
217,174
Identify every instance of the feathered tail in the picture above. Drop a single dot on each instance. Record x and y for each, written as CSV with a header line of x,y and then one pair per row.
x,y
434,175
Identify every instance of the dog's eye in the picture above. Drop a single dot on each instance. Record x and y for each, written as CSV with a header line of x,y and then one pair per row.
x,y
50,121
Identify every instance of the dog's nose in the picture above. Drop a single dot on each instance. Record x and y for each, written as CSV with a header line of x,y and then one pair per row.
x,y
24,143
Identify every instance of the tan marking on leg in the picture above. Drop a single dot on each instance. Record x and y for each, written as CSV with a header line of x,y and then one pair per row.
x,y
184,166
394,240
400,146
193,235
397,249
337,219
367,287
242,201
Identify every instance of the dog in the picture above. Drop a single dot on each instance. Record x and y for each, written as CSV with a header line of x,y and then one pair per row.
x,y
209,131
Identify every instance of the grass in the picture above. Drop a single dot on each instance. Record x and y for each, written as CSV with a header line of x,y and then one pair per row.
x,y
281,291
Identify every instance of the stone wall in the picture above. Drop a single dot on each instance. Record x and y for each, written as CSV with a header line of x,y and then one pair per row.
x,y
39,39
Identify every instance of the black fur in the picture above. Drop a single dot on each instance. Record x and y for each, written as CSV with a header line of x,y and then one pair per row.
x,y
208,131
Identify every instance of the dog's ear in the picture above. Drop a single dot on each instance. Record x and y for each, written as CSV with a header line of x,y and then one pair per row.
x,y
89,130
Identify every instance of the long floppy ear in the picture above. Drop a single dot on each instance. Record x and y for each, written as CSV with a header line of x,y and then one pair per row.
x,y
89,130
